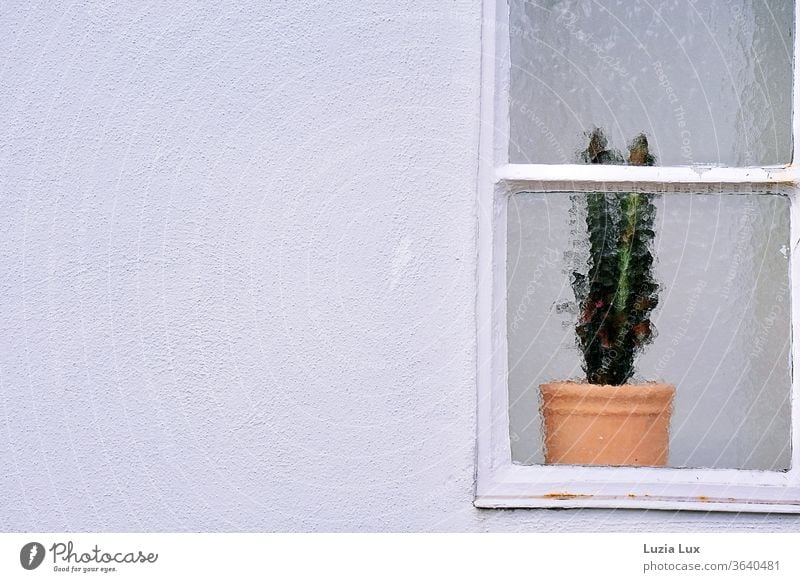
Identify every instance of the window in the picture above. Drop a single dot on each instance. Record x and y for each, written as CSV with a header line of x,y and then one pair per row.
x,y
710,86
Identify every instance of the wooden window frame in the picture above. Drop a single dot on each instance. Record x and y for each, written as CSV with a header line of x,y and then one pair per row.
x,y
501,483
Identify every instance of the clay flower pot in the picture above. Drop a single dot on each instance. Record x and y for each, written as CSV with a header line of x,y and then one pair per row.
x,y
588,424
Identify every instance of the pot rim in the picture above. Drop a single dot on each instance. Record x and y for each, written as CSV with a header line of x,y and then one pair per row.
x,y
569,387
574,398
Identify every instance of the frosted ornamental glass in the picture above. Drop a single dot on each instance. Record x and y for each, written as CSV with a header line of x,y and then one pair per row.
x,y
708,82
722,323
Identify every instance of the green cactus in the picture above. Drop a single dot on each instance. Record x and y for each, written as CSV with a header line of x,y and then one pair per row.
x,y
617,294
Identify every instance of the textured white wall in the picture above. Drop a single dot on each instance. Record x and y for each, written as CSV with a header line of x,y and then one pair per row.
x,y
237,271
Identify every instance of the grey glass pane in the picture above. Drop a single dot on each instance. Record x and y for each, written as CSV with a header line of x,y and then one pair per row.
x,y
707,82
723,323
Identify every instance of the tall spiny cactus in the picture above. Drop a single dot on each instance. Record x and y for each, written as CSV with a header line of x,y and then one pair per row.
x,y
618,293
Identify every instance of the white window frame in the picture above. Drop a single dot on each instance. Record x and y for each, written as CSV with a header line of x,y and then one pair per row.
x,y
501,483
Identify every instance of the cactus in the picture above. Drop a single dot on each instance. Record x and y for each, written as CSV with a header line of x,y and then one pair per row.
x,y
618,292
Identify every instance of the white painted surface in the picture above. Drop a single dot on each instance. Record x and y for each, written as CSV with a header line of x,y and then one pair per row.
x,y
238,272
571,173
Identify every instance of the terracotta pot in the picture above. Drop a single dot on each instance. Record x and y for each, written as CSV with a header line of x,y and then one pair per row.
x,y
588,424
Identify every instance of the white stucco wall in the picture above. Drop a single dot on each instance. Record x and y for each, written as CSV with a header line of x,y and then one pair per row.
x,y
237,271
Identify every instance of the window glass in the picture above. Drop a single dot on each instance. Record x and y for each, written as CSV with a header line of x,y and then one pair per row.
x,y
722,321
708,82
